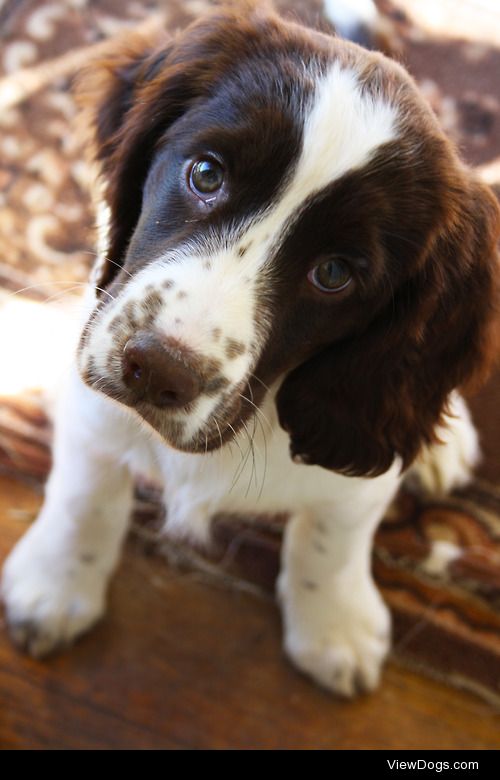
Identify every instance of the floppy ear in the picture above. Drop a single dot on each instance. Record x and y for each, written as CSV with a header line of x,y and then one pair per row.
x,y
120,139
362,401
131,97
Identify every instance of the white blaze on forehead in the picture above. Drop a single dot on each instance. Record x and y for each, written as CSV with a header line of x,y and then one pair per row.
x,y
343,129
344,126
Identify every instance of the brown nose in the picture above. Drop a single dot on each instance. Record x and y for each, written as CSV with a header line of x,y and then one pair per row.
x,y
156,374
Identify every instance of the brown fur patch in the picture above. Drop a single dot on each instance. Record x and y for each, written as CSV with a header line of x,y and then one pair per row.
x,y
130,313
234,348
213,379
90,374
151,305
215,385
117,324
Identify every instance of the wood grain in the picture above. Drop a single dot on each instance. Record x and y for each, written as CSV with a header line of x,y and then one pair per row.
x,y
181,662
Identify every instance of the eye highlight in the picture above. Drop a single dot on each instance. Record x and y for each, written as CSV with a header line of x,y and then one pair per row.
x,y
330,276
206,177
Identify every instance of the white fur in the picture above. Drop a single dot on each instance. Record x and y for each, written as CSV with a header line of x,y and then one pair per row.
x,y
54,582
347,15
443,466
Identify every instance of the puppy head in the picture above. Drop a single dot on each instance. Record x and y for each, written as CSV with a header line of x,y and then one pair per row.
x,y
283,206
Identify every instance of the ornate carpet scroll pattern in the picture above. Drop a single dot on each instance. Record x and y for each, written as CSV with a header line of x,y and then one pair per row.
x,y
438,562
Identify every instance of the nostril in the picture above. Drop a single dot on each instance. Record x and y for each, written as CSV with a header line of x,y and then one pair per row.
x,y
154,374
168,398
136,370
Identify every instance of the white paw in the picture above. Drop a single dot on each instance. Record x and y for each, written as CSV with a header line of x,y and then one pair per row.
x,y
442,467
341,645
49,599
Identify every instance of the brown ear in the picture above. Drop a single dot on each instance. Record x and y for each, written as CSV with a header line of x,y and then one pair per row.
x,y
133,95
360,402
120,139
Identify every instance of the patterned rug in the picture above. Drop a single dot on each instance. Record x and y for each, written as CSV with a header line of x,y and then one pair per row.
x,y
437,561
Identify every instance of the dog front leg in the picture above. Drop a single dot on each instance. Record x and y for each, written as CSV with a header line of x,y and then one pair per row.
x,y
54,581
336,625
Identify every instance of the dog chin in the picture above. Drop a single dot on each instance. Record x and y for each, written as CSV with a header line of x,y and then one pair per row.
x,y
173,431
171,426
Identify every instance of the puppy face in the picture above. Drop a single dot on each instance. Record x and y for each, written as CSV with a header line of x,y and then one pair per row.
x,y
282,205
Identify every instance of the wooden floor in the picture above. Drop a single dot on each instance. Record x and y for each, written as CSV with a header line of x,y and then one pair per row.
x,y
181,663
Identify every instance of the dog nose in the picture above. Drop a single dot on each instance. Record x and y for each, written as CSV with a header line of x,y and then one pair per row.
x,y
156,374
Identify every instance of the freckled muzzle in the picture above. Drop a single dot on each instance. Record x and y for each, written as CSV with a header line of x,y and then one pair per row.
x,y
160,347
157,373
190,399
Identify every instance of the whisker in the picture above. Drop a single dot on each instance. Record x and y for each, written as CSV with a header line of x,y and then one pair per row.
x,y
121,268
109,260
39,284
95,385
101,289
73,286
258,420
259,411
241,467
220,434
235,438
260,382
265,459
252,450
61,293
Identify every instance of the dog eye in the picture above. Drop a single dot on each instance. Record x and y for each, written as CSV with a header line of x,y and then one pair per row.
x,y
331,276
206,177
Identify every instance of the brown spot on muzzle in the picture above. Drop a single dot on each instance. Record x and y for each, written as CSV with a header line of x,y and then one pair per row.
x,y
234,348
130,312
86,330
89,375
117,324
151,305
213,379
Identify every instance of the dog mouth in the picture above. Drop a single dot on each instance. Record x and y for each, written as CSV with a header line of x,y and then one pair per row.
x,y
181,432
183,428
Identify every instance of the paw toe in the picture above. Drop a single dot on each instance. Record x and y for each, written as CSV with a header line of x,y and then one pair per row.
x,y
44,614
32,638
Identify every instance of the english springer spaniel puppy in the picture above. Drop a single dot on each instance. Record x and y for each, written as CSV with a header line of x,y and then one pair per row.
x,y
296,274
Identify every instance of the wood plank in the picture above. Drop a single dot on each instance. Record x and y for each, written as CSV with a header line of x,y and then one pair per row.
x,y
181,662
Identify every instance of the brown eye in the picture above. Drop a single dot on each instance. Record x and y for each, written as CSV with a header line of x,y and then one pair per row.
x,y
206,177
331,276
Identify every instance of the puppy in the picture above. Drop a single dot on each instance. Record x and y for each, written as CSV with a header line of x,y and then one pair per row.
x,y
296,274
